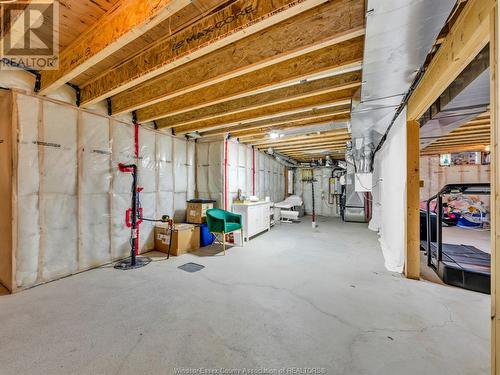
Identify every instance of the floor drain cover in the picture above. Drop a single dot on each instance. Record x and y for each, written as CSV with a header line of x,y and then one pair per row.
x,y
191,267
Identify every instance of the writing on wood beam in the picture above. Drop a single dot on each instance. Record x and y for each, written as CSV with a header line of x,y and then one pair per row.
x,y
345,56
325,25
123,23
230,24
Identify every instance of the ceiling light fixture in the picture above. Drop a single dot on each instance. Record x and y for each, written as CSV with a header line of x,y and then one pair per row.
x,y
274,135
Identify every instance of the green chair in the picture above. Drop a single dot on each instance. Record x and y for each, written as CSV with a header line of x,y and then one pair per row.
x,y
223,222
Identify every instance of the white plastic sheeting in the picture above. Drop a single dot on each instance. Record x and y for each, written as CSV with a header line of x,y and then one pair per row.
x,y
389,195
323,206
71,197
269,174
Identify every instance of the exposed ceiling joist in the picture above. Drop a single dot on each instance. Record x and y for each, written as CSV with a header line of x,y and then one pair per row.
x,y
230,24
323,26
347,56
333,99
120,25
263,132
314,146
313,114
451,149
272,97
300,138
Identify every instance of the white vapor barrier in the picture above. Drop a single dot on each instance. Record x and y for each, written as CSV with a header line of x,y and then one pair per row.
x,y
324,206
95,183
71,196
389,195
58,190
269,174
28,214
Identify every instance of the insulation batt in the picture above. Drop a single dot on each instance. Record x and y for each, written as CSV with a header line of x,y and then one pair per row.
x,y
71,197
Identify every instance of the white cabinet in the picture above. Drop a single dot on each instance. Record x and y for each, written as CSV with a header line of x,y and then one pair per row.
x,y
255,217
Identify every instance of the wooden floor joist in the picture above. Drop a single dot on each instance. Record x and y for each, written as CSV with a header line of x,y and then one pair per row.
x,y
323,26
257,129
119,26
314,146
306,141
230,24
343,57
300,138
273,97
340,119
332,99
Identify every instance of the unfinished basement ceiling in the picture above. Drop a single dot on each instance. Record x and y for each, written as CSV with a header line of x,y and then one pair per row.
x,y
474,135
467,97
399,36
216,68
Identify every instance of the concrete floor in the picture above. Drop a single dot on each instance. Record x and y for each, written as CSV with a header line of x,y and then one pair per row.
x,y
292,297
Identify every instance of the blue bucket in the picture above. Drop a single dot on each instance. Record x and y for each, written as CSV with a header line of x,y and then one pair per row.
x,y
206,238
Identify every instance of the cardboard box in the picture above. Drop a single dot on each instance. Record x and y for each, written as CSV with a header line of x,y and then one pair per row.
x,y
197,211
186,238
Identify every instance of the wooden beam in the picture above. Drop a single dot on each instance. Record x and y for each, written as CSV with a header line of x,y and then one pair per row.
x,y
123,23
230,24
468,36
315,146
468,128
326,25
346,56
332,99
314,113
309,157
339,140
495,191
273,97
307,141
263,132
461,141
452,149
289,121
412,234
302,137
446,149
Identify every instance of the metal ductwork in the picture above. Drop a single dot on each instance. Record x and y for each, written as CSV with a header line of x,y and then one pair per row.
x,y
399,36
281,158
466,98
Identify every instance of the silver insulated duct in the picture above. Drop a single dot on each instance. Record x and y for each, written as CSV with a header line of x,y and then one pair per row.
x,y
399,35
465,99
